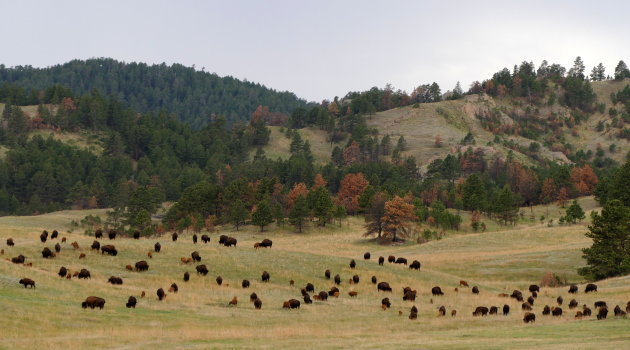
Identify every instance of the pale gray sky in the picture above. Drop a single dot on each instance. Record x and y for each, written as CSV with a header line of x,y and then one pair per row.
x,y
321,49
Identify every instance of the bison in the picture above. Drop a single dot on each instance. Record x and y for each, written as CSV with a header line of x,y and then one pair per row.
x,y
526,307
205,239
475,290
202,270
391,259
436,291
266,243
366,256
573,289
233,302
136,235
518,295
195,256
383,286
534,288
115,280
415,265
95,245
10,242
18,259
599,304
480,311
112,234
54,234
506,310
131,302
93,302
57,248
352,294
265,276
109,249
602,313
142,265
374,280
98,234
310,287
385,302
258,304
47,253
219,280
245,284
591,287
337,280
353,264
573,304
253,297
586,311
222,239
84,274
27,282
157,247
44,236
293,304
355,279
323,296
494,310
160,294
401,261
307,299
381,260
174,288
194,238
174,236
327,274
529,317
230,241
556,311
186,276
559,300
531,299
62,272
546,310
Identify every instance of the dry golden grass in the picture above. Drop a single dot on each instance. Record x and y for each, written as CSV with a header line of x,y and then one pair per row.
x,y
279,144
199,316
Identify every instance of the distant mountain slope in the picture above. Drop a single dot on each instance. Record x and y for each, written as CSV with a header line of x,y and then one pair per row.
x,y
192,95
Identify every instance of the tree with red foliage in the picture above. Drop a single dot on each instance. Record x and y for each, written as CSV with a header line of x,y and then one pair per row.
x,y
319,182
299,189
350,189
398,214
584,179
351,154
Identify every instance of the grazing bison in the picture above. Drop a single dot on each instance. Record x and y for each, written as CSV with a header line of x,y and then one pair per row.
x,y
75,245
573,304
174,236
327,274
293,303
353,264
436,291
131,302
93,302
337,280
109,249
82,256
475,290
441,311
556,311
62,272
618,312
374,280
205,239
186,276
142,265
18,259
219,280
546,310
115,280
534,294
401,261
391,259
157,247
333,292
526,307
266,243
307,299
253,297
518,295
385,302
10,242
480,311
195,256
57,247
194,237
98,234
265,276
415,265
591,287
352,294
412,315
494,310
506,310
579,315
222,239
560,300
84,274
258,303
27,282
366,256
602,313
383,286
174,288
573,289
410,295
463,283
531,300
160,294
136,235
355,279
54,234
245,284
586,311
323,296
230,241
381,260
534,288
44,236
95,245
47,253
112,234
599,304
310,287
529,317
202,270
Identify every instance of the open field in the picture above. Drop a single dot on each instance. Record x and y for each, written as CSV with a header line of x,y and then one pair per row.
x,y
198,317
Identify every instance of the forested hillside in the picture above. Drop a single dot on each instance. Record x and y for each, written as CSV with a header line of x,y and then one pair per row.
x,y
194,96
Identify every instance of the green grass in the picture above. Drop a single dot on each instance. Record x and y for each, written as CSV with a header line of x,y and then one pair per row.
x,y
198,316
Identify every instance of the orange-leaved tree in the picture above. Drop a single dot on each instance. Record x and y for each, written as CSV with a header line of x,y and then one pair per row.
x,y
399,213
350,189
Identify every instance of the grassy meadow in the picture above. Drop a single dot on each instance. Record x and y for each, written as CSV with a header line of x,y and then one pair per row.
x,y
198,316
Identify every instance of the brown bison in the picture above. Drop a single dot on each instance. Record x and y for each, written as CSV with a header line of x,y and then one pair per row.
x,y
618,312
366,256
546,310
205,238
353,264
573,289
475,290
82,256
385,302
109,249
245,284
136,235
174,288
195,256
480,311
494,310
10,242
161,294
115,280
602,313
410,295
84,274
266,243
529,317
47,253
98,234
233,302
150,255
586,311
57,248
333,291
27,282
174,236
75,245
327,274
591,287
415,265
194,238
560,300
93,302
307,299
131,302
526,307
355,279
222,239
129,268
186,276
337,280
374,280
62,272
310,287
112,234
157,247
531,299
599,304
534,288
381,260
54,234
352,294
518,295
323,296
142,265
18,259
383,286
401,261
202,270
573,304
556,311
258,304
265,276
44,236
253,297
441,311
391,259
436,291
219,280
230,241
292,304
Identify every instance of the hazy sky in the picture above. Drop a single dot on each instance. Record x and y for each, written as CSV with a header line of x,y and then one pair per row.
x,y
321,49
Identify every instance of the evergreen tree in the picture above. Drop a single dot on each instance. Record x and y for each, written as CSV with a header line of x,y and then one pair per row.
x,y
263,215
457,92
610,253
622,71
578,69
339,213
238,213
574,213
598,73
323,206
506,205
474,193
299,213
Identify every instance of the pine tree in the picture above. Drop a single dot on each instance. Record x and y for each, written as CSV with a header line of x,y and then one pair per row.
x,y
598,73
323,206
474,193
578,69
574,213
506,206
374,215
238,213
299,213
622,71
263,215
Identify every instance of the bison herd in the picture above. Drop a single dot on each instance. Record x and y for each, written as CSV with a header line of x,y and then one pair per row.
x,y
408,294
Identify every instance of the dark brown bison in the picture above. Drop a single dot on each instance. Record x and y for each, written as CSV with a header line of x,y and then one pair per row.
x,y
109,249
10,242
174,288
618,312
222,239
413,315
353,264
441,311
600,303
219,280
480,311
84,274
385,302
174,236
573,304
494,310
529,317
401,261
136,235
93,302
586,311
131,302
161,294
195,256
436,291
62,272
546,310
98,234
194,238
327,274
27,282
410,295
258,304
556,311
54,234
391,259
518,295
47,253
157,247
230,241
355,279
591,287
142,265
310,287
334,291
44,236
475,290
366,256
186,276
205,239
18,259
534,288
337,280
323,296
531,300
307,299
294,304
535,294
383,286
115,280
506,310
579,315
253,297
602,313
526,307
266,243
559,300
57,248
573,289
202,270
245,284
374,280
112,234
265,276
95,245
415,265
381,260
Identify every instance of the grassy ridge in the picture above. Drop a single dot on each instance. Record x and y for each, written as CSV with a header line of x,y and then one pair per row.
x,y
198,316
